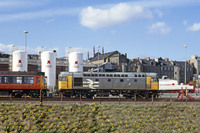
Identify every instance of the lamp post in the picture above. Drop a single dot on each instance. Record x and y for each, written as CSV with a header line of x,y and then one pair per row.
x,y
25,32
185,62
98,58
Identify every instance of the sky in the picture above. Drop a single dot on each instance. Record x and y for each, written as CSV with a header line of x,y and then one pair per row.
x,y
140,28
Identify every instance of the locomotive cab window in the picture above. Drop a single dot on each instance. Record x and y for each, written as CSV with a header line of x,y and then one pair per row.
x,y
62,78
154,80
38,80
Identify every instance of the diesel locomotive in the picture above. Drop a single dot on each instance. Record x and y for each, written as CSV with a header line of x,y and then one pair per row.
x,y
20,83
91,84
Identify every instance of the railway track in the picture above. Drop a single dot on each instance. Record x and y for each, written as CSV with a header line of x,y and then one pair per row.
x,y
96,99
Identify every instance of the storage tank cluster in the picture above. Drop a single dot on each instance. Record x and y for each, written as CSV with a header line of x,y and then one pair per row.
x,y
75,62
48,63
19,62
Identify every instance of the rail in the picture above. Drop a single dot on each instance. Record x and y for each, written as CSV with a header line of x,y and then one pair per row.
x,y
101,100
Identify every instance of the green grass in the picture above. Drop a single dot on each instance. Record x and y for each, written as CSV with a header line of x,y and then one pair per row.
x,y
99,118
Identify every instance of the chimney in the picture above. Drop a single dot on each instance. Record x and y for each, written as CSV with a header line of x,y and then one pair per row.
x,y
136,58
166,59
102,50
88,56
93,51
147,58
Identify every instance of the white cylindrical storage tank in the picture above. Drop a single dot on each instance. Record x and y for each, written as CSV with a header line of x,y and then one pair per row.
x,y
19,61
48,65
75,62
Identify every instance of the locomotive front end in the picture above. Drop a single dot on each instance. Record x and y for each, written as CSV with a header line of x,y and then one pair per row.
x,y
64,82
152,83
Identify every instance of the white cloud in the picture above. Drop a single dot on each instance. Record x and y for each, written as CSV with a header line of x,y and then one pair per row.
x,y
50,20
14,4
99,18
78,49
185,22
159,27
165,3
8,48
159,13
38,14
194,27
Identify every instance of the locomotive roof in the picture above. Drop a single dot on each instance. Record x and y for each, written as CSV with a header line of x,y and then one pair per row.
x,y
117,73
20,73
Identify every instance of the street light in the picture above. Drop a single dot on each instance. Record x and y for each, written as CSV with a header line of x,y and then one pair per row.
x,y
185,62
25,32
98,58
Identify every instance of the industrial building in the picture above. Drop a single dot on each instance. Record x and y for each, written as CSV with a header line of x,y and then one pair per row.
x,y
117,62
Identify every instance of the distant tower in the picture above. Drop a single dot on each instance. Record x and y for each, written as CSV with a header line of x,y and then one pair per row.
x,y
88,56
93,51
102,50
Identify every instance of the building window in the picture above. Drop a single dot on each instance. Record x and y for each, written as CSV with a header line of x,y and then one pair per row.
x,y
109,80
121,80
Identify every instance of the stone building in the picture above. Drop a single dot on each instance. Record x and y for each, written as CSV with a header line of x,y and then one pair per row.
x,y
164,67
4,62
195,62
116,59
